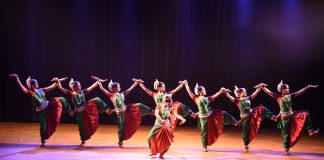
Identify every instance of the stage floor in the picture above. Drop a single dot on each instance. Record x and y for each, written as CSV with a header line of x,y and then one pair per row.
x,y
20,141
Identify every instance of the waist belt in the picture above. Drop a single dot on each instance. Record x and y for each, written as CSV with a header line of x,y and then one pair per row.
x,y
159,123
42,107
122,109
206,115
286,114
243,115
80,109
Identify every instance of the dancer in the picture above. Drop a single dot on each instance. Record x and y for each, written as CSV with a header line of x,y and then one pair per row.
x,y
161,135
48,112
250,118
291,123
211,122
179,107
128,116
87,113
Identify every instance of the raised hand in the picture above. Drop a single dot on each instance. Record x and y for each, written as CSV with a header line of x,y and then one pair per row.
x,y
98,79
182,121
183,82
137,80
140,81
55,79
224,90
260,85
13,75
312,86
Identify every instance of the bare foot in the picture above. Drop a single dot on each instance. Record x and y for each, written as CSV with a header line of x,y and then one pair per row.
x,y
246,149
237,123
274,118
151,154
161,156
312,132
120,144
286,152
43,143
71,113
110,111
193,115
204,149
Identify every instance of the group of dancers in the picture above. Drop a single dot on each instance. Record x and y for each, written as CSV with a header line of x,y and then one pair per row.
x,y
167,112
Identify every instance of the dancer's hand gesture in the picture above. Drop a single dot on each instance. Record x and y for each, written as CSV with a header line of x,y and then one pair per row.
x,y
312,86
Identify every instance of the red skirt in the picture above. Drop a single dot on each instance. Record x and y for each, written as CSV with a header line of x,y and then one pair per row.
x,y
161,140
53,116
297,124
214,126
172,118
132,120
90,119
255,121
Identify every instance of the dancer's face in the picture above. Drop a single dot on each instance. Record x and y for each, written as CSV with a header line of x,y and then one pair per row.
x,y
202,91
77,87
167,102
118,89
35,85
242,94
285,90
161,88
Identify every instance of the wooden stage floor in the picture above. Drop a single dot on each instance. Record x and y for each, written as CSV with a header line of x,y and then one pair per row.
x,y
20,141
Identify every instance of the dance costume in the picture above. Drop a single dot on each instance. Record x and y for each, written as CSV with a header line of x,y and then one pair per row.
x,y
49,112
211,122
251,118
161,135
128,116
291,123
87,113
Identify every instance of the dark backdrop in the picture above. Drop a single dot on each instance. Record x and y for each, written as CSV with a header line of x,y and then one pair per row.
x,y
214,42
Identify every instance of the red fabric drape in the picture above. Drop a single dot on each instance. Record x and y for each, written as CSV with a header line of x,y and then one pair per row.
x,y
161,140
53,116
215,126
132,120
91,119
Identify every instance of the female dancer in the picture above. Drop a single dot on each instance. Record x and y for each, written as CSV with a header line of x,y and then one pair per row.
x,y
291,123
211,122
161,135
87,113
128,116
250,118
180,108
49,112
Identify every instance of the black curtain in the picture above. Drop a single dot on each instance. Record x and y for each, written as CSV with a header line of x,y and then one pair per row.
x,y
214,42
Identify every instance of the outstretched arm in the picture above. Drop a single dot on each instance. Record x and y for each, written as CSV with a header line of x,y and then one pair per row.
x,y
303,90
109,94
149,92
65,91
157,115
255,93
177,89
189,92
89,89
51,87
131,87
231,98
179,117
213,97
22,87
55,84
271,94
